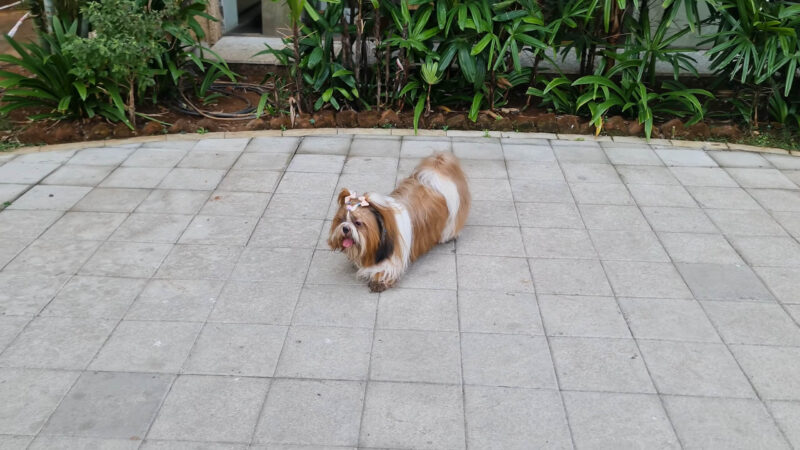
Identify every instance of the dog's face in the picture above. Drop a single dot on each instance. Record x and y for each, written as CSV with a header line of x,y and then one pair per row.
x,y
359,230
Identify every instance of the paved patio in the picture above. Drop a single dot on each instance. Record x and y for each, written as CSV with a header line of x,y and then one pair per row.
x,y
172,295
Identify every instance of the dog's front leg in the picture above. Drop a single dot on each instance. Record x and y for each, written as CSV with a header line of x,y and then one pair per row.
x,y
379,282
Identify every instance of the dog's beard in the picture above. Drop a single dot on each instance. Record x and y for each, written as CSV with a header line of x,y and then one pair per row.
x,y
351,245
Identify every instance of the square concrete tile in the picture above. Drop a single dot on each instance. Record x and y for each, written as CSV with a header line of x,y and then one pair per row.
x,y
342,306
482,168
219,230
262,161
236,349
8,442
422,148
50,197
9,329
369,164
744,222
691,158
507,360
601,194
112,200
126,259
739,159
179,300
9,249
703,176
317,163
635,156
256,302
525,190
547,215
667,319
375,146
590,173
404,415
112,156
783,162
777,199
613,365
329,267
197,405
582,316
645,279
661,195
25,226
226,145
173,202
21,173
57,343
85,226
772,370
724,282
57,157
498,312
433,271
278,265
110,405
95,297
787,415
784,282
417,309
490,241
135,177
699,248
249,181
761,178
605,420
416,356
312,412
558,243
52,257
273,145
325,145
189,262
494,273
155,157
679,220
192,179
723,423
27,294
29,397
488,213
529,173
584,154
483,189
724,198
153,228
768,251
753,323
508,418
43,442
236,204
9,192
646,175
628,246
569,277
308,184
147,347
687,368
321,352
613,218
209,159
790,221
478,150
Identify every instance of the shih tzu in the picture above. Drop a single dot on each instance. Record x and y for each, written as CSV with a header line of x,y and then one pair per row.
x,y
382,234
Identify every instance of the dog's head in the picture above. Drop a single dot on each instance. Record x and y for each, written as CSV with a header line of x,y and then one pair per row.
x,y
361,229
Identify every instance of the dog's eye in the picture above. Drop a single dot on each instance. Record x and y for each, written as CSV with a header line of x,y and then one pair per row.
x,y
357,223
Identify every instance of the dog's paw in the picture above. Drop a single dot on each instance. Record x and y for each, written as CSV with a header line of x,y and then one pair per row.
x,y
377,286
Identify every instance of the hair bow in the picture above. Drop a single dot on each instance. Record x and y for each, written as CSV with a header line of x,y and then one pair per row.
x,y
354,202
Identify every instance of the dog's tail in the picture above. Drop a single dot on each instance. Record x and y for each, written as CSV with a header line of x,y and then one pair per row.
x,y
442,173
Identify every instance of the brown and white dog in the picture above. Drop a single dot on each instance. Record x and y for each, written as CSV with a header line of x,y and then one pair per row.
x,y
382,234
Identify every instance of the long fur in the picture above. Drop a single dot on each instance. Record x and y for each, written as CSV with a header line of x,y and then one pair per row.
x,y
427,208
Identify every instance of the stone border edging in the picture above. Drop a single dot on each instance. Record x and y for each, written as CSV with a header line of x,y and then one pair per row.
x,y
705,145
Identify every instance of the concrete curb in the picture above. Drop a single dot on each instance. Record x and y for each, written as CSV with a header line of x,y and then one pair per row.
x,y
402,132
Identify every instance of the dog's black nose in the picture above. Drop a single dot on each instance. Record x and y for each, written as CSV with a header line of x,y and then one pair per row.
x,y
346,229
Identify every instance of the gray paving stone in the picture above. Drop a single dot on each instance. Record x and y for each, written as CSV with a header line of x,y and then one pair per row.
x,y
95,297
135,177
637,156
194,445
590,173
318,163
645,279
43,442
537,172
558,243
225,145
493,273
768,251
9,329
18,173
274,144
402,415
761,178
9,249
416,356
50,197
724,423
57,157
613,217
507,360
528,152
582,316
197,405
681,220
147,347
723,198
661,195
173,202
628,246
219,230
249,181
329,267
646,175
171,145
690,158
530,190
325,145
294,233
262,161
579,154
498,312
416,309
342,306
25,226
8,442
789,220
499,417
365,164
365,182
490,241
592,364
739,159
777,199
601,194
745,222
9,192
488,149
248,350
179,300
772,370
667,319
153,228
569,277
111,200
547,215
192,179
110,405
85,226
53,257
483,168
783,281
785,162
787,415
278,265
753,323
703,176
384,146
689,368
699,248
209,159
111,156
155,157
493,190
126,259
312,412
434,270
724,282
308,184
27,294
256,302
610,420
326,352
29,397
423,148
187,262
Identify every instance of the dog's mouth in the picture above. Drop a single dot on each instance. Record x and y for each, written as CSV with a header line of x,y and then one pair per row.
x,y
347,243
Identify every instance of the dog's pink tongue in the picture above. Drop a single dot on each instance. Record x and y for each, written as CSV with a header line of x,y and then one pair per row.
x,y
346,243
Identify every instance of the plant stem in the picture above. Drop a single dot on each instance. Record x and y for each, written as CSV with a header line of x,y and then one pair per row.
x,y
298,77
377,33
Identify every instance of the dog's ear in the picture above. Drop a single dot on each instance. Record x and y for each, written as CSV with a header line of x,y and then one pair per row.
x,y
342,194
387,228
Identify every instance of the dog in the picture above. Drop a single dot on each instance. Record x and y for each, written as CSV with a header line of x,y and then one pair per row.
x,y
382,234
